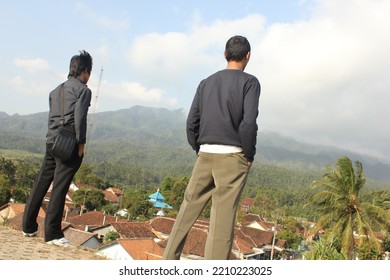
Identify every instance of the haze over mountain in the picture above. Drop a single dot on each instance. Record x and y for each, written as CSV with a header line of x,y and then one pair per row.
x,y
156,137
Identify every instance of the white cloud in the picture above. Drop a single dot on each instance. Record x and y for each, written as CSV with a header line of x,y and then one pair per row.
x,y
127,94
324,80
32,65
169,58
30,88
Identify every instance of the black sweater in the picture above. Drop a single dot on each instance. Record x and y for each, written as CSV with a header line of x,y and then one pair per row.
x,y
224,111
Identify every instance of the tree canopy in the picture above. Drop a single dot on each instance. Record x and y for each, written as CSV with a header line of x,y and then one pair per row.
x,y
349,223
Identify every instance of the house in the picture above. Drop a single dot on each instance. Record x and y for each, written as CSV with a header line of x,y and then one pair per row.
x,y
81,238
134,230
73,187
162,225
116,191
122,212
255,221
252,243
245,249
194,246
70,210
131,249
89,220
101,231
127,230
246,204
196,239
68,197
246,245
10,210
111,197
258,236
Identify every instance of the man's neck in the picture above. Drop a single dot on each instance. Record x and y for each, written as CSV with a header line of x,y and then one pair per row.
x,y
234,65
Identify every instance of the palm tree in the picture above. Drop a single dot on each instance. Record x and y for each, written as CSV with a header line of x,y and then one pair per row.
x,y
323,249
349,222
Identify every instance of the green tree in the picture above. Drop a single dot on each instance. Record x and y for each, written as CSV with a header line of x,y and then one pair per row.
x,y
348,221
111,236
8,168
25,173
5,189
291,233
85,175
140,210
110,208
368,250
20,194
324,249
91,199
264,204
177,192
136,202
167,184
386,243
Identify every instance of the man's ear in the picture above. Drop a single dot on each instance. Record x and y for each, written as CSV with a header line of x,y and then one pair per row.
x,y
248,55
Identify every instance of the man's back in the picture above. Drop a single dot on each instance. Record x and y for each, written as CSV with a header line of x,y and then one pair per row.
x,y
226,106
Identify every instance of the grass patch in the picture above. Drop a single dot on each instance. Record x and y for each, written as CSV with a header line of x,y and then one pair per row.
x,y
18,154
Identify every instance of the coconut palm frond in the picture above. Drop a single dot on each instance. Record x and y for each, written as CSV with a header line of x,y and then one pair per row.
x,y
360,177
377,216
350,222
324,222
347,239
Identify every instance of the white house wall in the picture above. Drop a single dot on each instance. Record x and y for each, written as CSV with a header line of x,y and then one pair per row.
x,y
114,252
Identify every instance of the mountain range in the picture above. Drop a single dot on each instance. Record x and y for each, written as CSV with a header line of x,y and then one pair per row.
x,y
155,137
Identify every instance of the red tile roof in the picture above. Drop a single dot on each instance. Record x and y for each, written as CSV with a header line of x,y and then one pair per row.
x,y
134,230
195,243
259,237
18,208
116,191
162,224
93,218
111,197
78,237
250,218
142,249
247,202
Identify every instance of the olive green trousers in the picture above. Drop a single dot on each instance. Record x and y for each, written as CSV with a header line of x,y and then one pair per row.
x,y
221,178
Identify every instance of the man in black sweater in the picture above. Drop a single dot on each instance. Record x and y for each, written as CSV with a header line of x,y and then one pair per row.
x,y
222,129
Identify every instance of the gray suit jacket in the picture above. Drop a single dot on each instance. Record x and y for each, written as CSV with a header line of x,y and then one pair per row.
x,y
77,99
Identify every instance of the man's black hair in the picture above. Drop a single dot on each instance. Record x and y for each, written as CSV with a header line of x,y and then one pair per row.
x,y
80,63
237,48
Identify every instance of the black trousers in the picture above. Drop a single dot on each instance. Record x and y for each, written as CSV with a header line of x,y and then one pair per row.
x,y
61,174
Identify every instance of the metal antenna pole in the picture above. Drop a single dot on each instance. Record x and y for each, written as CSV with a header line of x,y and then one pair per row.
x,y
94,106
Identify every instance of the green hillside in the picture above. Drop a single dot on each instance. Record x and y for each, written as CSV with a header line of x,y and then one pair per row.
x,y
154,139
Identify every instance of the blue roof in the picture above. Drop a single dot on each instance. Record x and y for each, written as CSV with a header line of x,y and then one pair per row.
x,y
158,200
159,204
157,196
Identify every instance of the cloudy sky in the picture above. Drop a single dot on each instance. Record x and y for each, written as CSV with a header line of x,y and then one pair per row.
x,y
322,64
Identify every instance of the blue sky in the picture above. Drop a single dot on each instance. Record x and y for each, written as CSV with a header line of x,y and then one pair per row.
x,y
323,64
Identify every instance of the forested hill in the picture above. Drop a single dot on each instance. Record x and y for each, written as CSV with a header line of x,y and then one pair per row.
x,y
154,138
